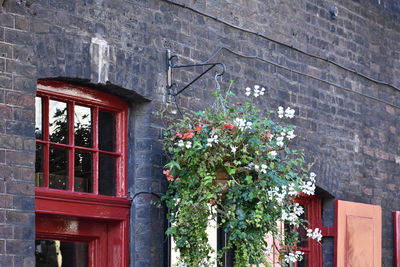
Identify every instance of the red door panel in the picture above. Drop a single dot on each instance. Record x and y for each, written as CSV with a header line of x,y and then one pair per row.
x,y
396,217
358,242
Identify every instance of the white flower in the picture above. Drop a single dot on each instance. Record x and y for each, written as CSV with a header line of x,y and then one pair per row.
x,y
292,190
248,91
211,140
290,135
289,113
272,153
316,234
294,257
233,149
279,141
242,124
312,176
180,143
256,167
280,112
188,144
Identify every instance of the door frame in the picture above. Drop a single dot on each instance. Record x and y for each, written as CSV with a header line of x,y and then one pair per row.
x,y
111,212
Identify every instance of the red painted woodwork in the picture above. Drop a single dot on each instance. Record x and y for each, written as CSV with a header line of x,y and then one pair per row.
x,y
72,95
358,240
67,215
312,205
396,239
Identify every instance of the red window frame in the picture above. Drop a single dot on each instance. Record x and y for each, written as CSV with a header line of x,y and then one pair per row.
x,y
82,206
313,209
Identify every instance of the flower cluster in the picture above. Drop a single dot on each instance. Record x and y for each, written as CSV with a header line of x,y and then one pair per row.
x,y
316,234
287,113
242,124
292,217
294,257
257,91
229,156
308,187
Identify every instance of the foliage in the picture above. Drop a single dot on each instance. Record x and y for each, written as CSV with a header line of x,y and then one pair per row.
x,y
265,175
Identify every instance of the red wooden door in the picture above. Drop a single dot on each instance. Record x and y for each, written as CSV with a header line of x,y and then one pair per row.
x,y
396,239
358,242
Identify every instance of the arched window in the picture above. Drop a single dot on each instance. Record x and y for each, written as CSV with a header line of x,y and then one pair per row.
x,y
82,208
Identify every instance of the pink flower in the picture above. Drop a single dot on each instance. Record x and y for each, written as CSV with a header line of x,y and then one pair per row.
x,y
178,134
166,172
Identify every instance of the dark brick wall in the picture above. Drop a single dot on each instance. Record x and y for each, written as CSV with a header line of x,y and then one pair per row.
x,y
349,125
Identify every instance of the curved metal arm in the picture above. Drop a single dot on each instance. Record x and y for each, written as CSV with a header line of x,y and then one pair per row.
x,y
171,66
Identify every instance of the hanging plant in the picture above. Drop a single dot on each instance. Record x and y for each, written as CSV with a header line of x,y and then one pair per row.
x,y
263,175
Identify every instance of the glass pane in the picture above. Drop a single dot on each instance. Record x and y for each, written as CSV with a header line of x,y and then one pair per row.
x,y
107,170
83,171
53,253
58,122
39,165
38,118
304,262
106,131
302,231
83,126
58,168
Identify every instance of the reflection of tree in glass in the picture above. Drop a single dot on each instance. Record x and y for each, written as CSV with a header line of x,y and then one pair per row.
x,y
83,135
59,126
58,157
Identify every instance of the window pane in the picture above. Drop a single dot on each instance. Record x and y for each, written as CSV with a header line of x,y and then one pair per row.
x,y
304,262
107,170
58,168
83,171
83,126
106,131
58,253
39,165
58,122
38,118
303,232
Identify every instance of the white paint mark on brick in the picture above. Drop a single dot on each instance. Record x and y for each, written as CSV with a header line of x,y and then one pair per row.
x,y
100,59
357,143
397,159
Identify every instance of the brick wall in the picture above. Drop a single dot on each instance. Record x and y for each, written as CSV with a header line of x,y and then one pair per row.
x,y
349,125
17,144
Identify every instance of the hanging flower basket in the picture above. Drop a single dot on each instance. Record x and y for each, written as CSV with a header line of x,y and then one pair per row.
x,y
238,159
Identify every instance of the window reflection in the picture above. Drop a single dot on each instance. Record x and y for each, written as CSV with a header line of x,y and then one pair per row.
x,y
58,168
38,118
83,127
83,171
58,122
106,131
56,253
107,171
39,165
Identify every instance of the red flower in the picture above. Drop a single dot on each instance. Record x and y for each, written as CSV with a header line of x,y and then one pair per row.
x,y
178,134
188,135
166,172
268,135
228,126
197,129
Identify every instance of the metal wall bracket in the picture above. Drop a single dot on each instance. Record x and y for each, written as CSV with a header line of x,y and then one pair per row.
x,y
171,65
